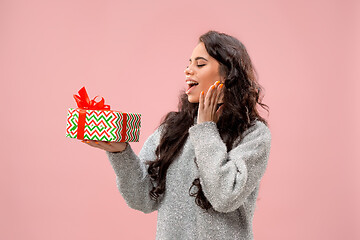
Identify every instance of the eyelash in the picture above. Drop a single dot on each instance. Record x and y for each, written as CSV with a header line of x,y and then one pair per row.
x,y
200,65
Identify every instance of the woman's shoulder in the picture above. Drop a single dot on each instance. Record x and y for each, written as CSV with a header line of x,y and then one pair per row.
x,y
258,129
257,126
262,127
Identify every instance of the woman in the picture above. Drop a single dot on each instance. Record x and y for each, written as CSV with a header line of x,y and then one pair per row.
x,y
202,167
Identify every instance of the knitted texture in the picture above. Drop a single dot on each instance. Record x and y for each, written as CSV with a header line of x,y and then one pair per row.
x,y
230,181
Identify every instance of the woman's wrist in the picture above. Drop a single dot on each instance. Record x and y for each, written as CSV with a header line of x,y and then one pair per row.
x,y
123,147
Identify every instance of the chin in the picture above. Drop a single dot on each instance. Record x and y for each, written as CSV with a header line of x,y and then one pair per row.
x,y
192,99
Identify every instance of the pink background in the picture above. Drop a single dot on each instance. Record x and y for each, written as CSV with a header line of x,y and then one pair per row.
x,y
134,54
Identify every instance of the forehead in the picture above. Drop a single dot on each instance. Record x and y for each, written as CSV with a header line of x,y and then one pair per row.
x,y
200,51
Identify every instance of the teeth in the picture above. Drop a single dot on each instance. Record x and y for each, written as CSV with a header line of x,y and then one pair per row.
x,y
191,82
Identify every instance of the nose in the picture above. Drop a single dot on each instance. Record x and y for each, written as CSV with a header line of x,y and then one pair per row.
x,y
188,71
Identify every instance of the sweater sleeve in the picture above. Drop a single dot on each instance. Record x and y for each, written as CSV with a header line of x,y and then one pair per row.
x,y
228,178
132,178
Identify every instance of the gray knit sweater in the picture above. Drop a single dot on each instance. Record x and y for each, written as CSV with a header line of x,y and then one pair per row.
x,y
230,181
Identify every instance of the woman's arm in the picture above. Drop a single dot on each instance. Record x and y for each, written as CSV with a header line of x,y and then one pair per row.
x,y
132,179
228,178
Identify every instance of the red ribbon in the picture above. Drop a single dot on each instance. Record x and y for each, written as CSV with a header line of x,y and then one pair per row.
x,y
84,103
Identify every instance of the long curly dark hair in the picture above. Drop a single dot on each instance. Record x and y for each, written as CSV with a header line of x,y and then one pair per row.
x,y
241,94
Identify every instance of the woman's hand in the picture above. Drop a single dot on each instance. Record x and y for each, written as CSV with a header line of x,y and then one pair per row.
x,y
208,104
107,146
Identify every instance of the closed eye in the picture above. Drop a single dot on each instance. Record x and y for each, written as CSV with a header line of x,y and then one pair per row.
x,y
200,65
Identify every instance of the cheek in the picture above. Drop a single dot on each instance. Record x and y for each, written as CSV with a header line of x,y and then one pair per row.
x,y
209,78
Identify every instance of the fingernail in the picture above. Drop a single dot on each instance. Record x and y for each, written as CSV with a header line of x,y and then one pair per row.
x,y
87,141
202,92
212,86
217,82
108,143
221,85
96,143
82,141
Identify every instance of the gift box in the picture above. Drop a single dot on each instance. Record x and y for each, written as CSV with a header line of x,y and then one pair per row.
x,y
95,121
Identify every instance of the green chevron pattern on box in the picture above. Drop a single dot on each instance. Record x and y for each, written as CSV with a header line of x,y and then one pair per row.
x,y
105,125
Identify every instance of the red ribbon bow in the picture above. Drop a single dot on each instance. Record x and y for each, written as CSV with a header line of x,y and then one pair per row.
x,y
83,101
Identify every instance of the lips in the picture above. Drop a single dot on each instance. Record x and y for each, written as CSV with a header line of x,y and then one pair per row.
x,y
190,80
191,84
190,88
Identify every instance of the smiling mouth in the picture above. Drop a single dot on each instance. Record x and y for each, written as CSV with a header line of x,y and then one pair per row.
x,y
191,86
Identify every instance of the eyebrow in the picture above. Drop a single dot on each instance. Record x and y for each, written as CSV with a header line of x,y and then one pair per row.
x,y
197,58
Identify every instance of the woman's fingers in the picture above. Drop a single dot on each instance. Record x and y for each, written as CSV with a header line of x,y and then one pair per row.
x,y
208,97
91,143
98,144
208,104
219,93
201,100
107,146
211,96
215,94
